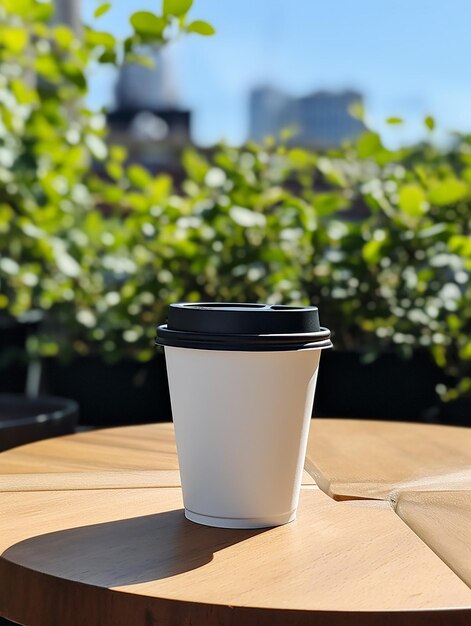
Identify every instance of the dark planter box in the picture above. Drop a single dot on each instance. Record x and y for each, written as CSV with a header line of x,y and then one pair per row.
x,y
124,393
456,412
13,365
389,388
13,359
23,419
13,378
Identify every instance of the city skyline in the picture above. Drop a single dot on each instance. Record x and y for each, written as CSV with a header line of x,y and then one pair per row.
x,y
404,61
319,120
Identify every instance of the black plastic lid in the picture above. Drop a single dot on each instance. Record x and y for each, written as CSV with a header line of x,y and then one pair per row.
x,y
233,326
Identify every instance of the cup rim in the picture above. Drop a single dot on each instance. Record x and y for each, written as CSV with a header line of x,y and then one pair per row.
x,y
266,342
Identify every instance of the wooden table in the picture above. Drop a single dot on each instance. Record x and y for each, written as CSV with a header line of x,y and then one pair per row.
x,y
92,532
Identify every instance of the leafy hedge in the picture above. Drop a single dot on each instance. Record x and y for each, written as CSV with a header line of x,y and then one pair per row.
x,y
379,239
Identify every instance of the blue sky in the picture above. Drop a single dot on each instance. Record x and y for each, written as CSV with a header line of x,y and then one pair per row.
x,y
409,58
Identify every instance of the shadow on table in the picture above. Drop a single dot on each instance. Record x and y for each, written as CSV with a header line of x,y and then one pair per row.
x,y
128,551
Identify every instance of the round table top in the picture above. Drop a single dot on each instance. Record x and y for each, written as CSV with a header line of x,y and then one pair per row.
x,y
92,531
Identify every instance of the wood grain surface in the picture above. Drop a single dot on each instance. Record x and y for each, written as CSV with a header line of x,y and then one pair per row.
x,y
128,449
150,447
112,479
92,532
71,481
369,459
443,520
337,557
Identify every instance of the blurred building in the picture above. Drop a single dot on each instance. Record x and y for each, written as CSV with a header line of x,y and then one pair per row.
x,y
319,120
147,118
68,12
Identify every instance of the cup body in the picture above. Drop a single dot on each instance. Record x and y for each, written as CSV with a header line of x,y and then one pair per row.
x,y
241,424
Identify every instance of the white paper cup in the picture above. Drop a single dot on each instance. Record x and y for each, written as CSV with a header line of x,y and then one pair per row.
x,y
241,423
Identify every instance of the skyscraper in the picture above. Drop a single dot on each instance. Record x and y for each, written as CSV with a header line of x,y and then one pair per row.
x,y
267,106
147,117
68,12
319,120
148,88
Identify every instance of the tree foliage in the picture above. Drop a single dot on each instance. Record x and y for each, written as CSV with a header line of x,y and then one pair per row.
x,y
379,239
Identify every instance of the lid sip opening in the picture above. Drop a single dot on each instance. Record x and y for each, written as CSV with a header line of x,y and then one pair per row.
x,y
242,326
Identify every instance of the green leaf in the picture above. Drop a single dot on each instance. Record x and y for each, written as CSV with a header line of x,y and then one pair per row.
x,y
247,218
115,170
335,177
118,153
460,244
41,11
368,145
371,251
140,59
453,321
301,158
447,191
15,38
177,7
429,122
433,231
46,66
136,201
63,35
195,165
139,176
74,74
65,262
32,10
96,146
98,38
288,133
108,56
200,27
148,24
466,174
112,194
421,173
129,43
357,110
23,93
6,216
161,187
465,352
327,204
412,200
49,348
394,120
9,266
102,9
